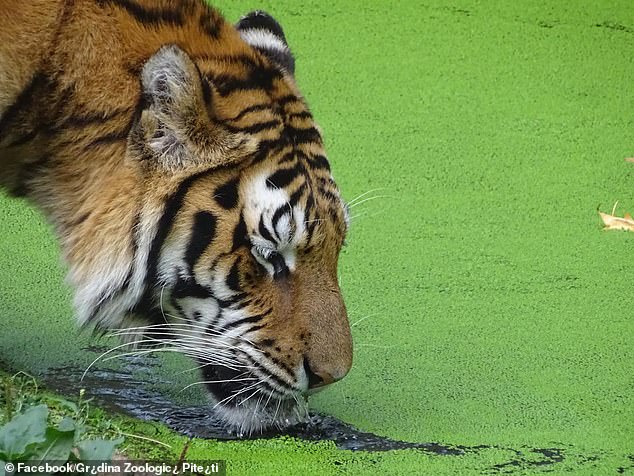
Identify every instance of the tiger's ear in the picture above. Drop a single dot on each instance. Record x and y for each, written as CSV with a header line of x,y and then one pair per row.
x,y
175,128
264,33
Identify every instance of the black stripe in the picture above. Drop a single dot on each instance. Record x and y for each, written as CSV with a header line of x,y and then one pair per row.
x,y
268,373
203,232
81,219
283,177
314,221
267,147
212,327
240,237
284,100
279,213
107,139
300,115
282,58
173,204
250,62
307,221
247,110
289,157
211,23
233,277
328,195
146,15
206,89
28,137
280,270
259,78
281,364
189,287
297,195
318,162
311,228
241,304
246,320
334,214
254,328
227,194
135,230
92,117
310,203
225,303
265,373
267,342
23,102
255,128
28,172
302,136
264,232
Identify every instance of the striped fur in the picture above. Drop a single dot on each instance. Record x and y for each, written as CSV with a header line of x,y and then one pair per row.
x,y
188,185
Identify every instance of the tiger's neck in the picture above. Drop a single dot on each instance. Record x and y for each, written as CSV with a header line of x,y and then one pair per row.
x,y
74,170
63,136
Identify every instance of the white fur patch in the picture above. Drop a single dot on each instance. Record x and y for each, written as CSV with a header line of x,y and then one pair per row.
x,y
95,291
263,202
259,38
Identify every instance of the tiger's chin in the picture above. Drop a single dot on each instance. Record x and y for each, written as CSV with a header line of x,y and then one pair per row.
x,y
254,417
250,404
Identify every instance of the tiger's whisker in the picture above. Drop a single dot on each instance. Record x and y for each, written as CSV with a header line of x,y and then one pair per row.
x,y
106,353
364,194
256,391
217,381
214,360
362,319
234,395
350,207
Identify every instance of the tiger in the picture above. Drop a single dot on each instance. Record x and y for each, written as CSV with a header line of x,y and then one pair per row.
x,y
186,180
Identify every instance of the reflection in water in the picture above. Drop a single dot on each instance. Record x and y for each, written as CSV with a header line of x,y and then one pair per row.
x,y
125,391
129,391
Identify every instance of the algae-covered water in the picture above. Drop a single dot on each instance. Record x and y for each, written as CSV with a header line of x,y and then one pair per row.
x,y
491,313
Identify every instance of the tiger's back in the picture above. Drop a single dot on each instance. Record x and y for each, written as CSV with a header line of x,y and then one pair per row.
x,y
187,182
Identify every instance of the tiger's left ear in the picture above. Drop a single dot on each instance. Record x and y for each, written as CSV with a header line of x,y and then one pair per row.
x,y
264,33
176,127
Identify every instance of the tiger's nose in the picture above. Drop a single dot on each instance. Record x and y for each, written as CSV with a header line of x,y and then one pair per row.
x,y
317,379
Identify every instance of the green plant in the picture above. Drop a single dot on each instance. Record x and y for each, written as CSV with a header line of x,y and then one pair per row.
x,y
29,436
39,429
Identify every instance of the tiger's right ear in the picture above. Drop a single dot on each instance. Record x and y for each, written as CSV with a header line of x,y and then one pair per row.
x,y
175,128
265,34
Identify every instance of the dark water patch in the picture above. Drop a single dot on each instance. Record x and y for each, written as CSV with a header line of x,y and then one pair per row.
x,y
627,469
526,460
615,26
129,391
124,391
546,24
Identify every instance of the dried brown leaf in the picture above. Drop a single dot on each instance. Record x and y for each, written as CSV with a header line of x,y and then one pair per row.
x,y
612,222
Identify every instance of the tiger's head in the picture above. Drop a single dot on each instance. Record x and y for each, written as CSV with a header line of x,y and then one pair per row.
x,y
241,226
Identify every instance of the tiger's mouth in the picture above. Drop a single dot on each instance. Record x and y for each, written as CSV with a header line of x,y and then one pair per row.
x,y
249,405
